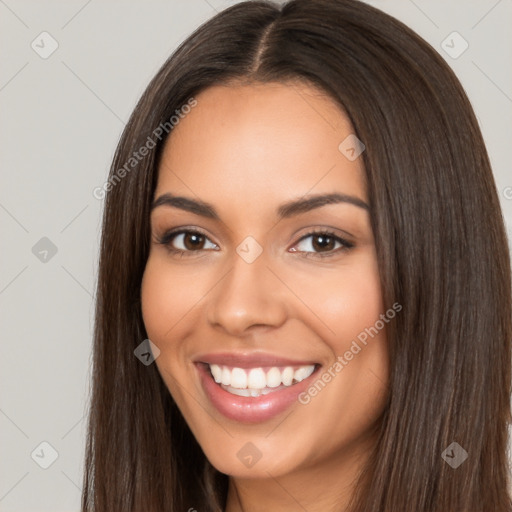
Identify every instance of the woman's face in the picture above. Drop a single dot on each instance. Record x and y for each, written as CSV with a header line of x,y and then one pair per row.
x,y
272,285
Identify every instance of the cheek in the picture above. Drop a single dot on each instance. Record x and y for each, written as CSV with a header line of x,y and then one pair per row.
x,y
167,300
347,300
157,300
167,295
355,304
353,387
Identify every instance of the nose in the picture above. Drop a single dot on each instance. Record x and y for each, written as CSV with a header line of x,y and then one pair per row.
x,y
248,295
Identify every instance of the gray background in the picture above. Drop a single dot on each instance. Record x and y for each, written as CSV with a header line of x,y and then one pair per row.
x,y
61,118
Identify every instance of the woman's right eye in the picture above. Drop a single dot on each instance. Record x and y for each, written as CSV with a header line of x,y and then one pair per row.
x,y
185,241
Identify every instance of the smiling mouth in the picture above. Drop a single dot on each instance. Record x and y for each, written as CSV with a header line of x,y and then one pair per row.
x,y
254,382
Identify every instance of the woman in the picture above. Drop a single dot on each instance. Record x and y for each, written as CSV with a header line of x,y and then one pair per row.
x,y
304,293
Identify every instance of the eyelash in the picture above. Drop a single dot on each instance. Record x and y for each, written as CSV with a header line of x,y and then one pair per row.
x,y
169,236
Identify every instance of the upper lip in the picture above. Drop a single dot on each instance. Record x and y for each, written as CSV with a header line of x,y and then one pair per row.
x,y
250,360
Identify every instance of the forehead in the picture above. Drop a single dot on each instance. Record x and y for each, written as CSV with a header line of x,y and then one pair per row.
x,y
250,145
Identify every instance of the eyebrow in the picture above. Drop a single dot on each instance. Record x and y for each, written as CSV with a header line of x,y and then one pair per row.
x,y
286,210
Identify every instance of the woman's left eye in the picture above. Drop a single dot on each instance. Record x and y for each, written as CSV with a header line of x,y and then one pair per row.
x,y
323,244
320,244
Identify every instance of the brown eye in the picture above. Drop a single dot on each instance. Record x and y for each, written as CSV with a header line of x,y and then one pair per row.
x,y
186,241
193,241
321,244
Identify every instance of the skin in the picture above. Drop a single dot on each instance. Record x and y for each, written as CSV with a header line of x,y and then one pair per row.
x,y
246,149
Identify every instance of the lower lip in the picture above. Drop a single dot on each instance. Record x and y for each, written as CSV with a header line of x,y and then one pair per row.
x,y
250,409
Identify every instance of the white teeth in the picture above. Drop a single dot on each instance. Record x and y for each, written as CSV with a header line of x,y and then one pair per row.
x,y
216,372
287,376
255,381
273,378
238,378
303,373
239,392
248,392
226,376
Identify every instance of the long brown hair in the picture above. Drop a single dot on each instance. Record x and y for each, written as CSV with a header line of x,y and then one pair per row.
x,y
441,247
